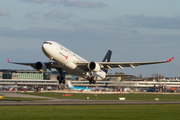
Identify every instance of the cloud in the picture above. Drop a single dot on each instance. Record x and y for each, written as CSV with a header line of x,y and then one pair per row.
x,y
82,4
39,1
34,15
3,12
96,22
57,15
70,3
151,22
23,44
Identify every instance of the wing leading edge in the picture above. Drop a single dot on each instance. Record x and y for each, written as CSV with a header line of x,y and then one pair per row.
x,y
49,65
121,65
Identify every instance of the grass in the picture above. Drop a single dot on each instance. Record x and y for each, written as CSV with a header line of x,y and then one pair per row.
x,y
131,96
91,112
19,99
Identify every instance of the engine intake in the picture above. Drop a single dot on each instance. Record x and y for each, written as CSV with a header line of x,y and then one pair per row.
x,y
41,67
93,66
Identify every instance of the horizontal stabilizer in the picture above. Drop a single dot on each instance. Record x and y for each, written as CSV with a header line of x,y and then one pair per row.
x,y
118,75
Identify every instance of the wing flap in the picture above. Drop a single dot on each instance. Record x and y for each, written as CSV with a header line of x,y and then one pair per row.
x,y
121,65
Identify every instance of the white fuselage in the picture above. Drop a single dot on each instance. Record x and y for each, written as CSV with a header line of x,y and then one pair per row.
x,y
67,60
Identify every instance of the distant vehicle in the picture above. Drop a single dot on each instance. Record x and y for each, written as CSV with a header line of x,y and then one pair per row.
x,y
178,89
149,89
23,88
104,88
70,86
65,59
172,89
10,87
127,89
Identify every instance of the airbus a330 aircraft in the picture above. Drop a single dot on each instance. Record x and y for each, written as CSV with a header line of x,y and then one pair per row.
x,y
62,58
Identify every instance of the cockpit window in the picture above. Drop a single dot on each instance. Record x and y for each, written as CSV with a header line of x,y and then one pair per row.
x,y
47,43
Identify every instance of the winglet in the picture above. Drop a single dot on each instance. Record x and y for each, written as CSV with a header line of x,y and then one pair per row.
x,y
8,60
171,59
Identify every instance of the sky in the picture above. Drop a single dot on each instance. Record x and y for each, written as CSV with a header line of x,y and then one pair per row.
x,y
135,31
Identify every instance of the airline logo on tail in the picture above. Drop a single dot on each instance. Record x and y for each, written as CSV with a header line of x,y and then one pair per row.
x,y
16,83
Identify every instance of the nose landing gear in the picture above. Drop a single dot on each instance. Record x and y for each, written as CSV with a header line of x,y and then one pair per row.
x,y
60,77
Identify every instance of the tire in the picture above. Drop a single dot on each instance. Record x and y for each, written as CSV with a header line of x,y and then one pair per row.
x,y
64,82
59,82
58,77
94,82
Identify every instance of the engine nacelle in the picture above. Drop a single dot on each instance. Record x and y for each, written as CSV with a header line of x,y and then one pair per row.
x,y
93,66
41,67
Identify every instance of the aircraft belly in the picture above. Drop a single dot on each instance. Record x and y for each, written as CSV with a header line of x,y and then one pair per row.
x,y
72,69
96,75
99,75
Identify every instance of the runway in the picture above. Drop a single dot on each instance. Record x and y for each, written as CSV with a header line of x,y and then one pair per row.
x,y
56,101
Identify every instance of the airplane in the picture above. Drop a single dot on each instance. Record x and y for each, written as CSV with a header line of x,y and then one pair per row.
x,y
62,58
10,87
70,86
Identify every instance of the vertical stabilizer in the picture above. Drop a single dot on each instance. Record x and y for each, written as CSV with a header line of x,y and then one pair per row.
x,y
15,83
107,58
69,84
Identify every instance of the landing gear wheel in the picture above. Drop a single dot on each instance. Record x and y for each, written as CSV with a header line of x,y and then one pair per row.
x,y
60,81
58,77
63,82
94,82
91,80
61,76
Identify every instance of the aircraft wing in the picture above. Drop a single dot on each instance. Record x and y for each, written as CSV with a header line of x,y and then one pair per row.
x,y
8,87
28,64
48,64
121,65
5,87
118,75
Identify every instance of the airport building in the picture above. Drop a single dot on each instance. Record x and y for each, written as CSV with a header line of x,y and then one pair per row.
x,y
32,78
26,74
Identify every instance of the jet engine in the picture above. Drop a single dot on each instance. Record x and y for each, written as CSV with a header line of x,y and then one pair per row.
x,y
41,67
93,66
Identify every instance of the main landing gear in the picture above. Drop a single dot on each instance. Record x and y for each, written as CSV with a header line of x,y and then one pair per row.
x,y
91,80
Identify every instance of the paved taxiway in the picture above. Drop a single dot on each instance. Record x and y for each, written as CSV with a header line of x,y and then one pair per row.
x,y
55,101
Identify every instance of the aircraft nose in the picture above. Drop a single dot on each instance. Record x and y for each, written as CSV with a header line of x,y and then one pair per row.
x,y
45,49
